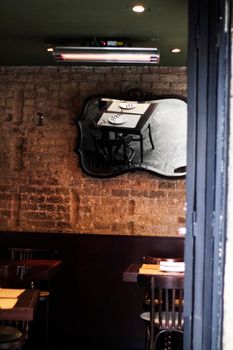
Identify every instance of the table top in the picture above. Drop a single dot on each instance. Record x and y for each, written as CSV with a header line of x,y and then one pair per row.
x,y
132,272
41,269
24,308
142,122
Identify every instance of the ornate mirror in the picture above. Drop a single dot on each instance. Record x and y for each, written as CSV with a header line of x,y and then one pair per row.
x,y
136,132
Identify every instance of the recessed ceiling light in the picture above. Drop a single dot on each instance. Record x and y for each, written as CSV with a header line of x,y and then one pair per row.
x,y
138,8
175,50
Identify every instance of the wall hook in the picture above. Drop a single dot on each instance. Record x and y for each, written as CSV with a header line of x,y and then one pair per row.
x,y
39,119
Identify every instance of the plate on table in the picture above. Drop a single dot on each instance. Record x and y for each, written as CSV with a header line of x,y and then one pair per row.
x,y
170,266
127,105
117,119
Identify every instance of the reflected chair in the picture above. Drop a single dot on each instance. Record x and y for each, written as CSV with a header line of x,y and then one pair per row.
x,y
30,254
164,320
141,138
13,334
115,151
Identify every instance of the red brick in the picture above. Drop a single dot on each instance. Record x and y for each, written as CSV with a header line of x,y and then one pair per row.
x,y
42,186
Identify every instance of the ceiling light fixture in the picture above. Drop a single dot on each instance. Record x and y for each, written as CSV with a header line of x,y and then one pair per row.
x,y
125,55
138,8
175,50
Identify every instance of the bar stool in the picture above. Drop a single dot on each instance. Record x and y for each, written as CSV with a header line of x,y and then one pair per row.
x,y
165,315
12,338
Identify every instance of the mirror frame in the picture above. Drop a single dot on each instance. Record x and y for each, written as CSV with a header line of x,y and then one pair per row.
x,y
132,95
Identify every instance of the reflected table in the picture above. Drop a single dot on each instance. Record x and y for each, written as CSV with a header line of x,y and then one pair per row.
x,y
135,122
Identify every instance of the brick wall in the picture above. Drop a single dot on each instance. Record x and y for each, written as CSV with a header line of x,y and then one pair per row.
x,y
42,187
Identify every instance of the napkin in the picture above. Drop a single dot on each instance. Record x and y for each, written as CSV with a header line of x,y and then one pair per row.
x,y
172,266
149,269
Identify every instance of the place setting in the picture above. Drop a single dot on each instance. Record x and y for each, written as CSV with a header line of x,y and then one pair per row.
x,y
119,119
128,107
164,265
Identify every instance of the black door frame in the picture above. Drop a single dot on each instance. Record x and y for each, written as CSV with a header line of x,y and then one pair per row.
x,y
208,102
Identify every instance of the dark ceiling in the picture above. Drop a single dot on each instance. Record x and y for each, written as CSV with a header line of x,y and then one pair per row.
x,y
28,27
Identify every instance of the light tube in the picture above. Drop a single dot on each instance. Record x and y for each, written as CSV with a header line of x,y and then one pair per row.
x,y
106,55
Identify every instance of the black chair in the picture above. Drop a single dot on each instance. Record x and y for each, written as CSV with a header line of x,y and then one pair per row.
x,y
14,276
32,253
13,334
114,150
164,320
156,261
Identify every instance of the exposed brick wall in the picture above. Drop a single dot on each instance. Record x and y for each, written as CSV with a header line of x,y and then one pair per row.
x,y
42,187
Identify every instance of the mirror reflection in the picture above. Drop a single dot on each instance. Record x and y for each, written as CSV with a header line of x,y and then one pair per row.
x,y
120,135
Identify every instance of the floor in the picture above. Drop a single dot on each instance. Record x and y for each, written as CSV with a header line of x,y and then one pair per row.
x,y
37,342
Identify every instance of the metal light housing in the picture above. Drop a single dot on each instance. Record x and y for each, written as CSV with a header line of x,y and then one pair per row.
x,y
113,55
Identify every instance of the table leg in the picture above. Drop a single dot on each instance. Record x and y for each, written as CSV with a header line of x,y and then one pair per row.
x,y
152,313
150,136
141,147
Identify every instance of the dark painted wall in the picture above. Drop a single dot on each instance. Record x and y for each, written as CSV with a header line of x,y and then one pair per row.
x,y
90,302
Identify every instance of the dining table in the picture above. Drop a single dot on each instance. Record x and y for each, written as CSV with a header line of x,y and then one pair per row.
x,y
40,275
40,269
24,308
133,271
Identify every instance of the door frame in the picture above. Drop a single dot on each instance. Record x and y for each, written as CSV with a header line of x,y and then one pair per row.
x,y
206,185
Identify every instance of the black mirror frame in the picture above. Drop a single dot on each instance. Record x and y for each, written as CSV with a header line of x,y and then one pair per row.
x,y
132,95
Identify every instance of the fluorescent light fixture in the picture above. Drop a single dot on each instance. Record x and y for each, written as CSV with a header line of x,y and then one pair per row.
x,y
133,55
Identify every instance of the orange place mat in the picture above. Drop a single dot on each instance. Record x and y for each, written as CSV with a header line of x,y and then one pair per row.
x,y
10,292
7,303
